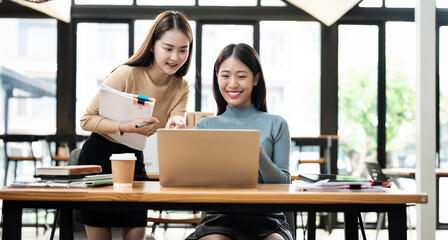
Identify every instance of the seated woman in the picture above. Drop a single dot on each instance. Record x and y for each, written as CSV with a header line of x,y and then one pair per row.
x,y
240,93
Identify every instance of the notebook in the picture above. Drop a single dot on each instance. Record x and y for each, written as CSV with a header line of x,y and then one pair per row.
x,y
124,107
208,158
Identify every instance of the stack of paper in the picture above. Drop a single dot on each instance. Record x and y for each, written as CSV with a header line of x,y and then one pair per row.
x,y
328,186
79,181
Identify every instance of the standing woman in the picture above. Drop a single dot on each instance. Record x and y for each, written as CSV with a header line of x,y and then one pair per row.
x,y
240,93
155,70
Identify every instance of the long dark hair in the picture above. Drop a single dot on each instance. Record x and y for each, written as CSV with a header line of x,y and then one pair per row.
x,y
247,55
164,22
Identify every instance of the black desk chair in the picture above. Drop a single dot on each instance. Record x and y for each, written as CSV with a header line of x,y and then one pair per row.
x,y
58,149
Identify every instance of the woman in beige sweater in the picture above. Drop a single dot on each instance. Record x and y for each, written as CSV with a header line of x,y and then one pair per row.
x,y
155,70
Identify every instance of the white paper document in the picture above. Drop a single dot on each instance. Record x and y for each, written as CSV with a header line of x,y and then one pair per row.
x,y
327,186
124,107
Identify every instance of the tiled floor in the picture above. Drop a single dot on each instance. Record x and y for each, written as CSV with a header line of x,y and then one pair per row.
x,y
29,233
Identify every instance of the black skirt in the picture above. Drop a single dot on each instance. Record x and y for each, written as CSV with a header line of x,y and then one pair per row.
x,y
97,150
242,226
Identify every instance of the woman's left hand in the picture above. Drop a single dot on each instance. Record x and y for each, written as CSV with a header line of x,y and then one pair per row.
x,y
176,122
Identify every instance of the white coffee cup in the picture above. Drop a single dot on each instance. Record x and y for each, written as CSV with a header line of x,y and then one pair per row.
x,y
123,165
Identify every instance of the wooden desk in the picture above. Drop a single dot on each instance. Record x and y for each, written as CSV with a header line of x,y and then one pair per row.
x,y
150,195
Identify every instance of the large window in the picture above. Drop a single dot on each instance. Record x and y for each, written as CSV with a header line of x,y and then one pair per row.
x,y
290,54
357,97
400,3
28,50
227,3
100,48
166,2
443,97
443,118
103,2
214,39
371,3
442,3
400,94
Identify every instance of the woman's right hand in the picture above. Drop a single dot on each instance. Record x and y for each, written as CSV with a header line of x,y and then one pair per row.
x,y
142,126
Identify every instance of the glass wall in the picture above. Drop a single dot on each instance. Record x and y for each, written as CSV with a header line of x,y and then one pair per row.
x,y
273,3
400,94
357,97
100,48
442,3
371,3
103,2
214,38
443,118
400,3
443,97
166,2
28,51
227,3
290,54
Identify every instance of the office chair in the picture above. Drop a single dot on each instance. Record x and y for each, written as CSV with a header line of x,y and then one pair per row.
x,y
58,150
19,148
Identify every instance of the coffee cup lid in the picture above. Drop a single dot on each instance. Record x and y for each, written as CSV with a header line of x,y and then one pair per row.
x,y
123,156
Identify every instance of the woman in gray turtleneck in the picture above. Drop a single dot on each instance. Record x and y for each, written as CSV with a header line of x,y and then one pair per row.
x,y
240,92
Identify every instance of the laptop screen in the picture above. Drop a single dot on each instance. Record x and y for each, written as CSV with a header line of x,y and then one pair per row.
x,y
375,171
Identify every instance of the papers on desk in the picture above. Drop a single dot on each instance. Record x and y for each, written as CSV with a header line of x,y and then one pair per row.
x,y
328,186
124,107
82,182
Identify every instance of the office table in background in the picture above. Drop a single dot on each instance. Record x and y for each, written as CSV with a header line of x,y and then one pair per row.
x,y
410,174
150,195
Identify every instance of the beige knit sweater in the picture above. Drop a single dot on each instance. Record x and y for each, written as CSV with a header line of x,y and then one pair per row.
x,y
170,92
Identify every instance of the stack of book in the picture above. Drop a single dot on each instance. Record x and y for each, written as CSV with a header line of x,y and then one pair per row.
x,y
80,176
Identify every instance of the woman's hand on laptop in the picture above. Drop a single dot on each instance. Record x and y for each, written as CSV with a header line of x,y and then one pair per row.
x,y
142,126
176,122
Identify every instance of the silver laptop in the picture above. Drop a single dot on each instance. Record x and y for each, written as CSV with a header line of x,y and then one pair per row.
x,y
208,158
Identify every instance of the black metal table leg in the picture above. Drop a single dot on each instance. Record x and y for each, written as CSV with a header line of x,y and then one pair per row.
x,y
397,222
12,221
351,225
311,222
66,224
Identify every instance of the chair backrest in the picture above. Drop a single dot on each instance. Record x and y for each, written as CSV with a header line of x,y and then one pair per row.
x,y
74,155
193,117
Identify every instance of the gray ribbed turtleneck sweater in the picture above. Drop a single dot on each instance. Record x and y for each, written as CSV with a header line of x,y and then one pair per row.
x,y
274,139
